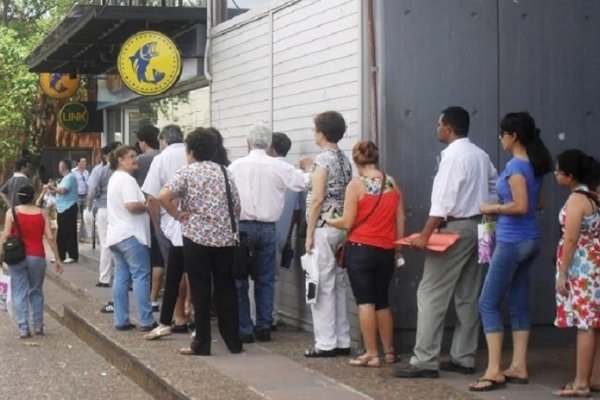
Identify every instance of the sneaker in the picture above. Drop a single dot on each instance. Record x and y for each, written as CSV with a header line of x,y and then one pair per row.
x,y
155,307
69,260
108,308
24,334
158,332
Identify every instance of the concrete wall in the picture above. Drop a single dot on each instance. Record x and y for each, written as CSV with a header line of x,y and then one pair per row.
x,y
284,63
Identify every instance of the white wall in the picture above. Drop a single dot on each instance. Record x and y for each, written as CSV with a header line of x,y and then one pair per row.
x,y
284,63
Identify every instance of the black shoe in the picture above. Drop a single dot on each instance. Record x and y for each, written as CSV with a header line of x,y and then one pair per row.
x,y
126,327
263,335
411,371
149,328
318,353
183,328
249,338
342,351
155,307
108,308
454,367
100,284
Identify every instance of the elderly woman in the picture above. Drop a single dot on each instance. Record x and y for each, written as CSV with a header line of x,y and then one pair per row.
x,y
27,277
578,263
128,237
519,187
205,220
330,175
374,216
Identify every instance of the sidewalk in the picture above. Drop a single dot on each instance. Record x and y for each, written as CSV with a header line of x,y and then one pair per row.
x,y
274,370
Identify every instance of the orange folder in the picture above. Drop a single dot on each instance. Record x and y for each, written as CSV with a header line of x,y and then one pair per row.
x,y
437,242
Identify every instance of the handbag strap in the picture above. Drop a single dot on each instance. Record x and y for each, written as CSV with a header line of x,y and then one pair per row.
x,y
362,221
14,213
230,204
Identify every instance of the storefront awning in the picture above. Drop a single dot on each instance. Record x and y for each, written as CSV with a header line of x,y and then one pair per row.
x,y
88,40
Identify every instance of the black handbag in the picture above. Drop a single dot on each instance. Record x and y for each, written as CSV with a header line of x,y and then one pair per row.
x,y
244,262
14,248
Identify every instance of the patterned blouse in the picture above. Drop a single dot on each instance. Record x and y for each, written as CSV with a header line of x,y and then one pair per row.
x,y
201,187
339,173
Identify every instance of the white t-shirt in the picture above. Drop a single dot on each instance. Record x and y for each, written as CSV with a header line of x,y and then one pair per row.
x,y
122,224
163,167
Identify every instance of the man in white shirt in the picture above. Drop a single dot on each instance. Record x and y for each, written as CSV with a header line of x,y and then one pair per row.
x,y
82,175
167,230
262,182
466,178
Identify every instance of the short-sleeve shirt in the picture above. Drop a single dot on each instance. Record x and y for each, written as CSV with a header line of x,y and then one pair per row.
x,y
12,186
201,187
66,200
339,173
516,228
82,178
144,161
122,224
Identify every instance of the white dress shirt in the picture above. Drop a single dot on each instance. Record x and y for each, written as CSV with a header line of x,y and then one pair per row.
x,y
163,167
466,178
261,181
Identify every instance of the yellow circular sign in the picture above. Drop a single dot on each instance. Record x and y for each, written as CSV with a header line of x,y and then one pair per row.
x,y
149,63
58,85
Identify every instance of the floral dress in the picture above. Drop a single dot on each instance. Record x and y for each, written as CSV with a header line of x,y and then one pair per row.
x,y
581,307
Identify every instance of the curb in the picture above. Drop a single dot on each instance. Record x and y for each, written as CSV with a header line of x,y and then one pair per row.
x,y
124,361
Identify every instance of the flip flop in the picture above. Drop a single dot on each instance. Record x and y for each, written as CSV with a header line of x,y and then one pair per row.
x,y
516,379
366,361
569,390
493,385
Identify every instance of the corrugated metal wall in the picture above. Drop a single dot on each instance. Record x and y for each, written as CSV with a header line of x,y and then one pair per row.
x,y
491,57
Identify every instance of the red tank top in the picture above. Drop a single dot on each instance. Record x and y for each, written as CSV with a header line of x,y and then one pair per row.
x,y
32,233
379,229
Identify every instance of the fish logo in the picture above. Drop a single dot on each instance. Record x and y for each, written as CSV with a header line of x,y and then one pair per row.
x,y
140,61
58,85
55,80
149,63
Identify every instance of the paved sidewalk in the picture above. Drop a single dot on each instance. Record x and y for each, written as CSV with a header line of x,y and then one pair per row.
x,y
278,370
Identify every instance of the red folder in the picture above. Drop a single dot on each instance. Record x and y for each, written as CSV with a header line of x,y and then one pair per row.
x,y
437,242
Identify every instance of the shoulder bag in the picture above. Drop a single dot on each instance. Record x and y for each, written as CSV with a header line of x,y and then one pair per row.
x,y
340,253
13,247
244,262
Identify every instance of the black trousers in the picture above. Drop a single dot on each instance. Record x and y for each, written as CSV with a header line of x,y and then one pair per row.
x,y
205,265
66,236
174,274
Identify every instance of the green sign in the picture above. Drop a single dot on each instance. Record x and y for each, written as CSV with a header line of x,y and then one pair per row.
x,y
74,117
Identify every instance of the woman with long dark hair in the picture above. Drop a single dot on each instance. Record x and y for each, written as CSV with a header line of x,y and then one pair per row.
x,y
517,245
578,263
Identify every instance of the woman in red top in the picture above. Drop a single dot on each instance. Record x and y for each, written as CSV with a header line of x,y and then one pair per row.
x,y
374,215
27,277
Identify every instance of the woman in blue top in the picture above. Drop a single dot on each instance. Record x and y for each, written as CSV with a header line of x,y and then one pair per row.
x,y
517,245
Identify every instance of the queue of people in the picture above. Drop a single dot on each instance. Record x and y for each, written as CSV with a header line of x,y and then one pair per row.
x,y
178,213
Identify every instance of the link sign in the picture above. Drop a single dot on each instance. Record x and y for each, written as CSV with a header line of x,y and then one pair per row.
x,y
149,63
74,117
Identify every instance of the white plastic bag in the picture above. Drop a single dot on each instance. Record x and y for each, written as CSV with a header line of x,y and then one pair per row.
x,y
311,275
88,220
5,301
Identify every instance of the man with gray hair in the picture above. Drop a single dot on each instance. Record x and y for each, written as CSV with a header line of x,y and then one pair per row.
x,y
168,231
262,182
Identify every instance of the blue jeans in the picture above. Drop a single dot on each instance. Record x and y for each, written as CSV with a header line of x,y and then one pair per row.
x,y
26,281
132,263
508,276
265,243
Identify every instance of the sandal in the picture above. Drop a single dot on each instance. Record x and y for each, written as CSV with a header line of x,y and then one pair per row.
x,y
569,390
366,361
390,357
493,385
